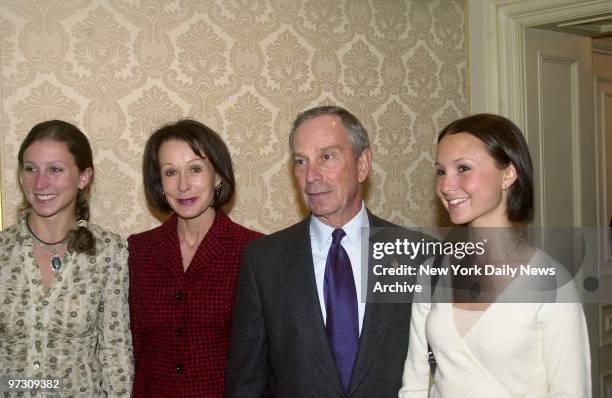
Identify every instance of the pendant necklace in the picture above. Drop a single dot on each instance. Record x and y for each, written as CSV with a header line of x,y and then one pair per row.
x,y
53,248
502,259
476,288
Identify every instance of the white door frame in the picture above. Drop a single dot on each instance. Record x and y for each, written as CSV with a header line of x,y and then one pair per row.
x,y
496,33
496,51
497,56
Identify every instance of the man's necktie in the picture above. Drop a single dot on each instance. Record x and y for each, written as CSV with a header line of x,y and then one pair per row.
x,y
342,322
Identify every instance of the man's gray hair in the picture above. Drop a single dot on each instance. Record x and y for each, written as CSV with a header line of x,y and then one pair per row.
x,y
356,132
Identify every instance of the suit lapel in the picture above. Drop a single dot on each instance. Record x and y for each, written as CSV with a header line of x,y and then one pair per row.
x,y
207,253
376,320
168,250
303,302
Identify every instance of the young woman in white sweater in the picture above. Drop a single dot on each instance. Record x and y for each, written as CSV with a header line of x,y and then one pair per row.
x,y
501,336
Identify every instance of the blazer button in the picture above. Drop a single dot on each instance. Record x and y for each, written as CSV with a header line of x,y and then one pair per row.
x,y
179,296
179,368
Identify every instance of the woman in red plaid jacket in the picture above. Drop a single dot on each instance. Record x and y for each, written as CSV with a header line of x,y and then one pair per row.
x,y
183,273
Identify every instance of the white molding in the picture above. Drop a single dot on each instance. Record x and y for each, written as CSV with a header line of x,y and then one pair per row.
x,y
576,142
600,172
602,46
540,12
482,56
496,51
605,318
600,93
574,65
541,158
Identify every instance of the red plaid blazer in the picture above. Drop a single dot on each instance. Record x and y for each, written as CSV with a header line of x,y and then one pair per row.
x,y
181,321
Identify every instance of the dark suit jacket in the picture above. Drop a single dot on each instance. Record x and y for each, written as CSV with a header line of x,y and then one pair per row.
x,y
180,320
279,346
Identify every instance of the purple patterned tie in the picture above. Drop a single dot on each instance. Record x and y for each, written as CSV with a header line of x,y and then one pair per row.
x,y
342,323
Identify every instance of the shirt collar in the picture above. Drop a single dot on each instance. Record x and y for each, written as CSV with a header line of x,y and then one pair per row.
x,y
321,233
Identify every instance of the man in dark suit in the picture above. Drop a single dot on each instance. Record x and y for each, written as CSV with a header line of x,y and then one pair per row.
x,y
299,328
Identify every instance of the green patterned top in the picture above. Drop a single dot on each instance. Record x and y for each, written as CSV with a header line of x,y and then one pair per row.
x,y
78,331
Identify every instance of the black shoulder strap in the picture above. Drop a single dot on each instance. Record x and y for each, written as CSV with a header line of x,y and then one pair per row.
x,y
434,278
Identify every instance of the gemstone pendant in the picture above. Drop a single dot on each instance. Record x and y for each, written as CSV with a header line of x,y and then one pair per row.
x,y
56,263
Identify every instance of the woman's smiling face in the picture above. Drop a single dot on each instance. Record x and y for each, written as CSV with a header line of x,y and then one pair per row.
x,y
50,179
187,179
469,182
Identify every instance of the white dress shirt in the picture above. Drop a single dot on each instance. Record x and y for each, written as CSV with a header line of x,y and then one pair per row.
x,y
320,241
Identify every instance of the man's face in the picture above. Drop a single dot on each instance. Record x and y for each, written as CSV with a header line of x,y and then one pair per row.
x,y
327,172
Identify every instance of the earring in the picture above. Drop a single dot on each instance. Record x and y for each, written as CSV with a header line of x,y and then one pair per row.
x,y
218,188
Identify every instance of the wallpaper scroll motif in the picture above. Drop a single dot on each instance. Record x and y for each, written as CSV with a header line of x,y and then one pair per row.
x,y
121,68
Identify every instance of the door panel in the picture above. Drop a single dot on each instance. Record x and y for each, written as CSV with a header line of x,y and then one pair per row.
x,y
602,72
561,136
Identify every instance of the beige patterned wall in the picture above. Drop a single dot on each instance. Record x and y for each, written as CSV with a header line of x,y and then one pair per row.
x,y
120,68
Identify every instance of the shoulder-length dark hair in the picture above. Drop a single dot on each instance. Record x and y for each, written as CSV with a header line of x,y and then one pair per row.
x,y
506,144
204,142
80,238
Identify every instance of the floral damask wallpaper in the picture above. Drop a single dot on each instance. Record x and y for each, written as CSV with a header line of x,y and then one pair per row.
x,y
120,68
